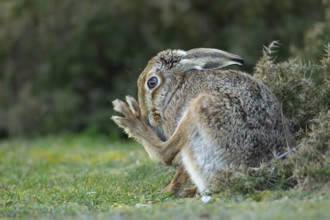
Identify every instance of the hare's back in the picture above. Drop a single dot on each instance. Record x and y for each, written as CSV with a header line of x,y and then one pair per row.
x,y
253,96
243,117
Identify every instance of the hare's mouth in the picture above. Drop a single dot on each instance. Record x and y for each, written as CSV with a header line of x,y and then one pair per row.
x,y
155,122
160,133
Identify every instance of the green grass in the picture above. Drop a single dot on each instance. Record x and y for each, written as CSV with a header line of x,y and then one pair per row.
x,y
83,177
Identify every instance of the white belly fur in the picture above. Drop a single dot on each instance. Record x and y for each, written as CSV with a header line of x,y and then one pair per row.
x,y
203,160
193,171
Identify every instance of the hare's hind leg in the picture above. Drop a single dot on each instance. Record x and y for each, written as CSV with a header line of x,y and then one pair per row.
x,y
200,134
192,127
178,184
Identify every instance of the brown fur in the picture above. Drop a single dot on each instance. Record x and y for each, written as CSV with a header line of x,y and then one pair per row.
x,y
213,118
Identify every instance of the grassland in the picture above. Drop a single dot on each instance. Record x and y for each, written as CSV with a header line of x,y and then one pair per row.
x,y
84,177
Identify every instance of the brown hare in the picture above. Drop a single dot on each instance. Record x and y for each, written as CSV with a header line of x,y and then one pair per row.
x,y
210,118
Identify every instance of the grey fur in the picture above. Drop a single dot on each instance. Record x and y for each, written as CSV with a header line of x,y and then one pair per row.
x,y
213,118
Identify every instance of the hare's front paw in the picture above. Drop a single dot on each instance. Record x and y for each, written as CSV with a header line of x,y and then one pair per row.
x,y
131,123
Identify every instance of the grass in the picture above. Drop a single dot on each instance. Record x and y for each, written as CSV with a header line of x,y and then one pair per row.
x,y
84,177
74,175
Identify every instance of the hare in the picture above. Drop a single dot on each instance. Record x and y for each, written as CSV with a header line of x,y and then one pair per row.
x,y
210,118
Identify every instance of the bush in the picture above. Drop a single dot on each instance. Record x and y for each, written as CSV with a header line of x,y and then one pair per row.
x,y
302,87
304,90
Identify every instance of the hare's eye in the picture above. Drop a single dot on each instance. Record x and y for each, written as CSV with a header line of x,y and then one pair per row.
x,y
152,82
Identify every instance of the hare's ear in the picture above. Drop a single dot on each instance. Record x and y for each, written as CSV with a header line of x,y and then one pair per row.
x,y
206,59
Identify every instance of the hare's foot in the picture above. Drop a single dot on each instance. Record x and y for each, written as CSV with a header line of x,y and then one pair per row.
x,y
131,122
188,192
177,183
137,127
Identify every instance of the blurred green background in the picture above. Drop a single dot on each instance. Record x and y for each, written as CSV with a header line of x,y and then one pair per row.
x,y
62,62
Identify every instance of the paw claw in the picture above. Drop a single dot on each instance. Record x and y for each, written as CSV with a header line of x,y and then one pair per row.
x,y
116,119
121,107
133,105
116,105
130,104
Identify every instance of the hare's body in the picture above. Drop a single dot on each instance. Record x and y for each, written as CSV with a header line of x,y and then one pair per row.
x,y
243,126
214,118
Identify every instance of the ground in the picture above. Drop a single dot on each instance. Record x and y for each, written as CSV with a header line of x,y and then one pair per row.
x,y
94,177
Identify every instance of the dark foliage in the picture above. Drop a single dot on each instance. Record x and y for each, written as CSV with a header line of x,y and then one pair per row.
x,y
62,62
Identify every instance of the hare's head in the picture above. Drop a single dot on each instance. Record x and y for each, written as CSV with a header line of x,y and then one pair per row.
x,y
165,72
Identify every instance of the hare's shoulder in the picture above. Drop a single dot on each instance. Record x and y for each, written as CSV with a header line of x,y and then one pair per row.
x,y
227,81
